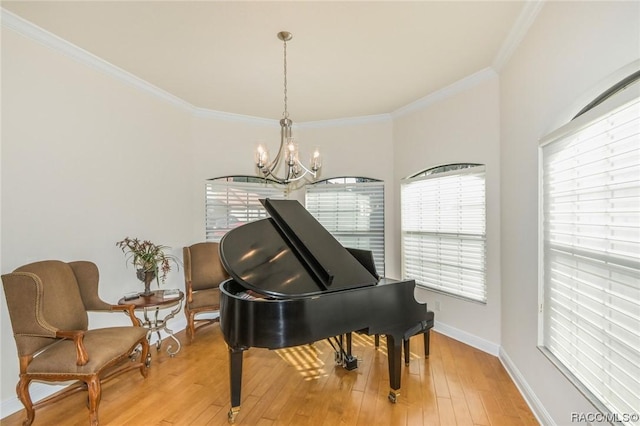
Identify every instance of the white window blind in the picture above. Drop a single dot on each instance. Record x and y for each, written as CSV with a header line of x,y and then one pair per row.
x,y
230,203
352,211
590,172
443,231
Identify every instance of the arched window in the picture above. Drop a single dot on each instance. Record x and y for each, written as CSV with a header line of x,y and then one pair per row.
x,y
590,245
233,200
352,210
443,230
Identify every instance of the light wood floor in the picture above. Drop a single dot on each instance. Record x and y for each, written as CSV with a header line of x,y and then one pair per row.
x,y
456,385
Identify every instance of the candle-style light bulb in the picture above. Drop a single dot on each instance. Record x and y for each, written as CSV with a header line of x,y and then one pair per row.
x,y
261,156
316,161
292,152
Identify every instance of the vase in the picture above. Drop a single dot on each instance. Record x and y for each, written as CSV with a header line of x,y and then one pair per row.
x,y
146,277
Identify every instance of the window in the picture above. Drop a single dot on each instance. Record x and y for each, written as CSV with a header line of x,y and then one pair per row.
x,y
590,253
443,230
352,210
234,200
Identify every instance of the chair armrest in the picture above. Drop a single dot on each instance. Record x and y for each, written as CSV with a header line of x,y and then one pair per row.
x,y
82,357
130,310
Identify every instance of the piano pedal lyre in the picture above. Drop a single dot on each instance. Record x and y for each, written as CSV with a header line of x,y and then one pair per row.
x,y
342,356
232,414
350,363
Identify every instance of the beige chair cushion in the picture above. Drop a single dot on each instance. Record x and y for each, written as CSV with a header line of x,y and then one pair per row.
x,y
103,346
205,298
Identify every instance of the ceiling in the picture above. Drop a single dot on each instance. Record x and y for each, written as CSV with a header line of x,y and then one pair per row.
x,y
346,59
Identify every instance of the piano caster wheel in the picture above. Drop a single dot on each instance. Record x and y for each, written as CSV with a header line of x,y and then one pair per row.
x,y
232,414
393,396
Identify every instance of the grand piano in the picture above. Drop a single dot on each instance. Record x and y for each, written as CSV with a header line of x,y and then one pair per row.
x,y
293,283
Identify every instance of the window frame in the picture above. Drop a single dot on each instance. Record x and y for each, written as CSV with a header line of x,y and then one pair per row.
x,y
443,172
606,106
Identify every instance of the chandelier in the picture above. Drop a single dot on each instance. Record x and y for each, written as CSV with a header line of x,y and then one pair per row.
x,y
288,150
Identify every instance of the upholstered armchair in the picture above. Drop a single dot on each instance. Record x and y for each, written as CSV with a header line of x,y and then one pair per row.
x,y
203,273
48,303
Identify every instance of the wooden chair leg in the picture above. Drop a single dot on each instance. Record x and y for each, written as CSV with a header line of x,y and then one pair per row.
x,y
95,393
144,370
191,326
22,389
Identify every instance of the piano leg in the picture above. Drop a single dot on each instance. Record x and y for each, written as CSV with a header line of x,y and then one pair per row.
x,y
235,358
407,353
394,355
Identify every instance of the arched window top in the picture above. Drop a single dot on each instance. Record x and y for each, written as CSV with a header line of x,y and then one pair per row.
x,y
619,86
345,179
243,179
444,168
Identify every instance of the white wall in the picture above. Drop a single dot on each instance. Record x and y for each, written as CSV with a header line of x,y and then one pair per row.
x,y
462,127
86,161
562,64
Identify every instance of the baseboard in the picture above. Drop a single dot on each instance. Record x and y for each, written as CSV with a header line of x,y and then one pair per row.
x,y
40,391
527,393
467,338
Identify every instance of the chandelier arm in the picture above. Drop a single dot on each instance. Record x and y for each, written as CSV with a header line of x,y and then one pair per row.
x,y
276,179
272,166
311,172
283,135
301,176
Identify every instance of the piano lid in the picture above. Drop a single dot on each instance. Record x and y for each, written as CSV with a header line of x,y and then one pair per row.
x,y
290,254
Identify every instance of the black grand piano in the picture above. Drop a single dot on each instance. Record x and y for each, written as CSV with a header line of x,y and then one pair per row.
x,y
293,283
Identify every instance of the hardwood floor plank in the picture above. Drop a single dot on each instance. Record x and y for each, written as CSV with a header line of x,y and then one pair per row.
x,y
446,414
461,411
456,385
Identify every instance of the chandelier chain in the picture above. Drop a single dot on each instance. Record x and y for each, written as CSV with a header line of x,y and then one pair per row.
x,y
285,114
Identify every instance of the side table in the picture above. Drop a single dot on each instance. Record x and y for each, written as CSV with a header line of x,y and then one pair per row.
x,y
154,323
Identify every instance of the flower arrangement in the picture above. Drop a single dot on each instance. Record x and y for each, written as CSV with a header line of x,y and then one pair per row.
x,y
148,258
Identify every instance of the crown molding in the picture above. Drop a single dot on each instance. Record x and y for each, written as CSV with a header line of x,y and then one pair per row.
x,y
527,16
446,92
52,41
351,121
228,116
56,43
